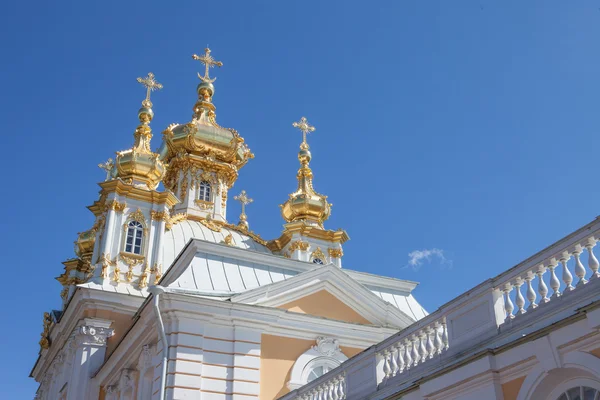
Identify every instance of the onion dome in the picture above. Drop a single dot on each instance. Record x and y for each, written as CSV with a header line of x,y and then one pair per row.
x,y
139,165
305,204
207,144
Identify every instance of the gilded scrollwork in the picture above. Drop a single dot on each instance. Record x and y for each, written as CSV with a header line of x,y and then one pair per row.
x,y
298,245
335,253
318,253
45,340
159,215
116,206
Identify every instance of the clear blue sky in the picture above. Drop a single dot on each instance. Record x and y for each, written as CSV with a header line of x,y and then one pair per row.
x,y
471,127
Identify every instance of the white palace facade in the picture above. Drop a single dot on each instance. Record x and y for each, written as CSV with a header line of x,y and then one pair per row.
x,y
166,299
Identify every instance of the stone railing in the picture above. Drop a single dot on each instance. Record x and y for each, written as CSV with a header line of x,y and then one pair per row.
x,y
328,388
475,318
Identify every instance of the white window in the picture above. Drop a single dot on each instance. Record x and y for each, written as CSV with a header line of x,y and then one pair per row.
x,y
317,261
320,367
204,191
580,393
135,234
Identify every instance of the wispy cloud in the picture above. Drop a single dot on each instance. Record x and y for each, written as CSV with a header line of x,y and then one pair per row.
x,y
417,258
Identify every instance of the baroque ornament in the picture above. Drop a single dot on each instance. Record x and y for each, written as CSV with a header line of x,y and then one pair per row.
x,y
335,253
298,245
45,340
327,346
211,224
318,253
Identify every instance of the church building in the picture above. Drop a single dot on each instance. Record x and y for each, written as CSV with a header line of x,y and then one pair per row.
x,y
167,299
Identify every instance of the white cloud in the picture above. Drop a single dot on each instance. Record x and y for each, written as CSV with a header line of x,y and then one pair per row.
x,y
417,258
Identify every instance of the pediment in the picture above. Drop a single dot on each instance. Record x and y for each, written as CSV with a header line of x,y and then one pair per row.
x,y
327,292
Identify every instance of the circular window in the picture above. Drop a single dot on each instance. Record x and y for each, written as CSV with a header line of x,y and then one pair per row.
x,y
580,393
317,261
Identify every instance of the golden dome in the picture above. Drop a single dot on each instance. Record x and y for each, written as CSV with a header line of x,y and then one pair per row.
x,y
305,204
139,165
202,141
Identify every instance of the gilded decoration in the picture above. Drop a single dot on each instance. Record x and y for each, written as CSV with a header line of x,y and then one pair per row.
x,y
175,219
107,166
228,240
116,206
117,275
131,259
336,253
139,166
202,142
64,292
298,245
138,216
244,200
143,282
305,204
204,205
159,215
211,224
129,274
45,340
318,253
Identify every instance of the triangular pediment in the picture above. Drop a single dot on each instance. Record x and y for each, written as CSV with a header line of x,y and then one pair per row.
x,y
326,305
327,292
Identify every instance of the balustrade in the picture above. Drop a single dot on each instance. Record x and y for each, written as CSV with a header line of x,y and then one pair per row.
x,y
332,389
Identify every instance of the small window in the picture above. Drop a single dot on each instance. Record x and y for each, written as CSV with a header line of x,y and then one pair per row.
x,y
317,261
316,372
204,191
133,242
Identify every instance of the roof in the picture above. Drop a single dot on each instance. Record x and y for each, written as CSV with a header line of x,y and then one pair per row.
x,y
182,232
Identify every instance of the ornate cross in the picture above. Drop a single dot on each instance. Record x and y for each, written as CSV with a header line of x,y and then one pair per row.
x,y
107,166
151,85
305,127
208,62
244,199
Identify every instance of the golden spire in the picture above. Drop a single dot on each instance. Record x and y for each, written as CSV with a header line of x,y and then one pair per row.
x,y
139,165
245,200
208,62
305,204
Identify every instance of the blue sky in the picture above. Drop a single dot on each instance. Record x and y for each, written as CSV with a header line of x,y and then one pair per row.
x,y
468,129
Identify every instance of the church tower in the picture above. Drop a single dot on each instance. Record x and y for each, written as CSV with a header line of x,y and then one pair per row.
x,y
203,157
122,246
304,237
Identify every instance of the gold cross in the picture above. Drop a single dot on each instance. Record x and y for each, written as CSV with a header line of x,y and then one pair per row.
x,y
305,127
151,85
244,199
208,62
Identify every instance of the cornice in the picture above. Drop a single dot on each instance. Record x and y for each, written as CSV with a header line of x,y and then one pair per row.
x,y
132,192
302,228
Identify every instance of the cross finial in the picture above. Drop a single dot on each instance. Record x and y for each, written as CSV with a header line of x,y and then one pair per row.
x,y
151,85
208,62
305,127
244,199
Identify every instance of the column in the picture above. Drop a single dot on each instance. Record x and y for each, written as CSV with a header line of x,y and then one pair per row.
x,y
89,349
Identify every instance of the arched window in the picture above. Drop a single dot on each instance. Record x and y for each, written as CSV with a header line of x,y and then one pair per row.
x,y
135,234
204,191
317,261
316,361
320,366
580,393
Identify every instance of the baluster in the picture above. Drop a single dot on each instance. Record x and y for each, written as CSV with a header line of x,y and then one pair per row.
x,y
579,268
334,389
519,299
554,282
343,387
530,292
330,390
592,260
567,277
400,357
409,360
438,338
508,304
445,335
394,363
415,348
430,345
422,348
542,288
387,369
